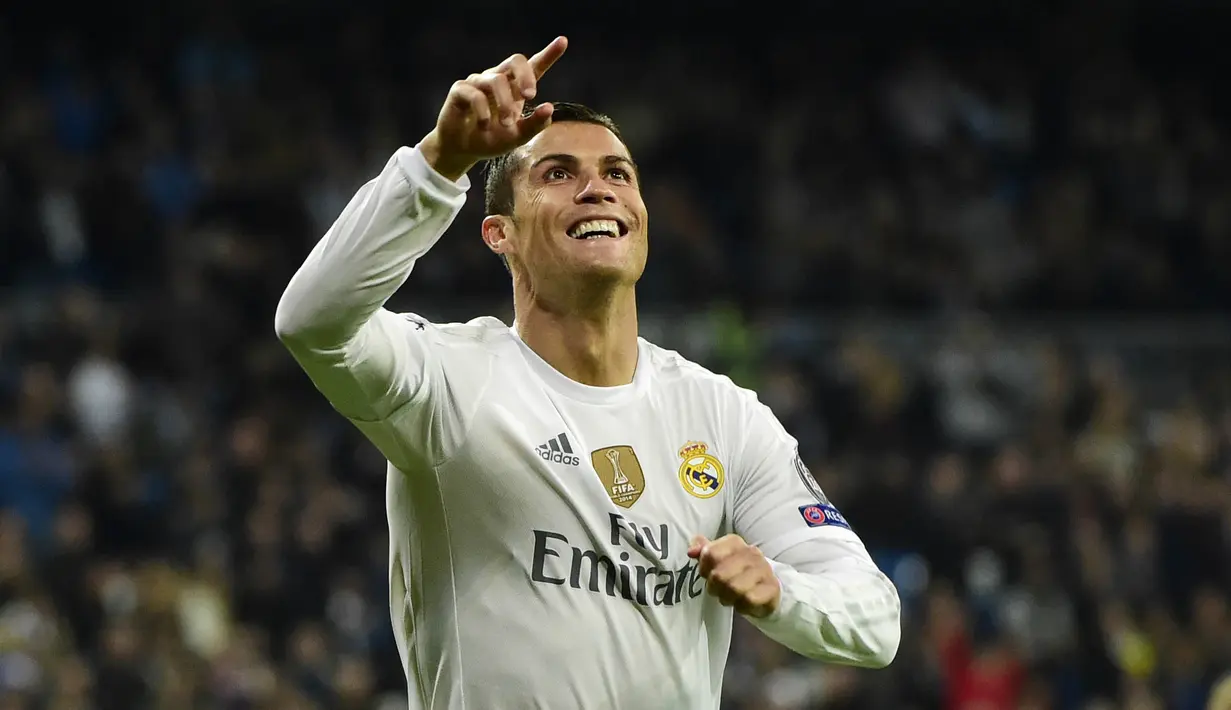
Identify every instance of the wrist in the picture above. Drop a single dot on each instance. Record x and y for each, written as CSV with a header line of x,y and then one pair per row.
x,y
449,167
775,606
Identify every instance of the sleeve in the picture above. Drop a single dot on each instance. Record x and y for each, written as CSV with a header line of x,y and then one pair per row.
x,y
368,362
836,605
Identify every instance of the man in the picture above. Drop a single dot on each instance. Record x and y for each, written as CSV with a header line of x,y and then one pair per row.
x,y
572,510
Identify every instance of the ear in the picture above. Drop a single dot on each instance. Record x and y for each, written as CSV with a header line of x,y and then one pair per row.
x,y
496,231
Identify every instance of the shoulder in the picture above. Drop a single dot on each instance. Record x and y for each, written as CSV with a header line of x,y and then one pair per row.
x,y
467,350
479,333
739,409
675,372
741,418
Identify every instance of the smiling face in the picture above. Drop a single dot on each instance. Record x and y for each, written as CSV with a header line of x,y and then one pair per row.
x,y
577,214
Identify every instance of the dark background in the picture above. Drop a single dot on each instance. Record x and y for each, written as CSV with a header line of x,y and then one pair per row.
x,y
976,257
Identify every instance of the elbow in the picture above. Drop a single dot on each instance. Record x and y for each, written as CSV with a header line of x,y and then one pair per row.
x,y
874,642
886,636
885,645
287,324
309,316
303,328
296,320
872,648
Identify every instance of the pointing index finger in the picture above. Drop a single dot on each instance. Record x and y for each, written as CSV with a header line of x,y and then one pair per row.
x,y
542,61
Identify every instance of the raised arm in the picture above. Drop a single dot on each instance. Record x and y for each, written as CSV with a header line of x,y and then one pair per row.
x,y
332,317
368,362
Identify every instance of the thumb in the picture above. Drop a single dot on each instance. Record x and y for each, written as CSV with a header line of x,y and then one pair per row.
x,y
534,123
696,545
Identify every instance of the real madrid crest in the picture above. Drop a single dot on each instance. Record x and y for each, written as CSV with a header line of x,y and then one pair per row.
x,y
701,472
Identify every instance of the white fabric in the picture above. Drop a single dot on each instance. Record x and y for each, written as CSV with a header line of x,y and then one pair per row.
x,y
516,580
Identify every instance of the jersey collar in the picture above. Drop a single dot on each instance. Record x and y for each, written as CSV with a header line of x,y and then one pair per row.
x,y
572,389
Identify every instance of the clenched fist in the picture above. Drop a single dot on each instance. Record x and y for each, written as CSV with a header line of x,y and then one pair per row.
x,y
484,114
737,574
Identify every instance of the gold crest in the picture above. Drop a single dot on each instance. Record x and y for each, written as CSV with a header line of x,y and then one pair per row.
x,y
701,472
620,471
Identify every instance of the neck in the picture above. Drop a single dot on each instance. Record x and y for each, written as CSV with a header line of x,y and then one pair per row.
x,y
594,343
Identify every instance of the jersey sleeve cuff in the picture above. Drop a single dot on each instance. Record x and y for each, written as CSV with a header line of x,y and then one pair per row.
x,y
785,598
419,173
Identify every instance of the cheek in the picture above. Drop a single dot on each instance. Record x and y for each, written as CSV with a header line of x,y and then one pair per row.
x,y
540,216
638,208
533,202
531,223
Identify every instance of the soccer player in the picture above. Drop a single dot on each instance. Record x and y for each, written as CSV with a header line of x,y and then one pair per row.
x,y
574,512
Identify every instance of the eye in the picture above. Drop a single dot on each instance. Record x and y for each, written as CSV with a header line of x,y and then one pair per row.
x,y
556,174
619,174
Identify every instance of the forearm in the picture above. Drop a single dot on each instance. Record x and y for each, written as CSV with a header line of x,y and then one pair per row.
x,y
841,610
369,252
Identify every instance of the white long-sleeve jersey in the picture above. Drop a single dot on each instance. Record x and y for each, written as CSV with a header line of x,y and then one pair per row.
x,y
539,527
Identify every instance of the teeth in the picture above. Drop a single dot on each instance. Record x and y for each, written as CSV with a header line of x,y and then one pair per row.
x,y
595,229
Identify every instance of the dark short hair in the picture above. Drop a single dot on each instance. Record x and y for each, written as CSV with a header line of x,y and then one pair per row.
x,y
500,171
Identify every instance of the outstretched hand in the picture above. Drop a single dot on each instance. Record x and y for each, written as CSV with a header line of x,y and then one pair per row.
x,y
484,114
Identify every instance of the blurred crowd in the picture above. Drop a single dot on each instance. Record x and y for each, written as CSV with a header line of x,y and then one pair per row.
x,y
184,523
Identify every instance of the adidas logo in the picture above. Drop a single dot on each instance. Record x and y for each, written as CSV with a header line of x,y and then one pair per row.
x,y
558,450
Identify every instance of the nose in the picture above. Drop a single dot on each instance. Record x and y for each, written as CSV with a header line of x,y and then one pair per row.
x,y
595,191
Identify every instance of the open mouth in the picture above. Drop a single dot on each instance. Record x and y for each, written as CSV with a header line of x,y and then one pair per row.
x,y
598,229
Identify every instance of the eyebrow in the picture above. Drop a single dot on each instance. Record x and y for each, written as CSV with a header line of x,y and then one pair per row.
x,y
569,159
